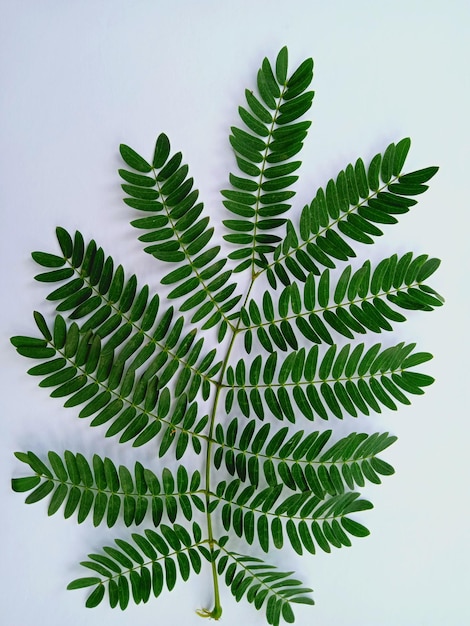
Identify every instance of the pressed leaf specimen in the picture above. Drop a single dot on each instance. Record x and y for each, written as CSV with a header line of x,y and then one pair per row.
x,y
141,370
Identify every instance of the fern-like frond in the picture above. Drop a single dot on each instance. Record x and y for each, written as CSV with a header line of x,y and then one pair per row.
x,y
141,370
116,309
105,492
351,206
358,302
177,235
351,379
99,363
142,567
80,369
306,519
263,584
301,460
264,155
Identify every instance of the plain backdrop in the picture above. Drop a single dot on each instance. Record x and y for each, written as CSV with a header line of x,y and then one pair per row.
x,y
79,78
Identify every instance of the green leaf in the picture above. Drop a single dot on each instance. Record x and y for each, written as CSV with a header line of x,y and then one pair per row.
x,y
65,241
55,275
401,152
48,260
354,528
427,269
324,289
141,371
281,65
40,492
80,583
420,176
25,484
133,159
162,151
387,163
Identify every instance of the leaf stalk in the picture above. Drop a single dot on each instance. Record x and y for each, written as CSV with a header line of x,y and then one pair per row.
x,y
217,610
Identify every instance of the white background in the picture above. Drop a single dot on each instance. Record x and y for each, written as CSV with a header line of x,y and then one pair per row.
x,y
79,78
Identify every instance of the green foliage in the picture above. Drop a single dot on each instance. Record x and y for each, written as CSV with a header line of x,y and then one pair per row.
x,y
141,370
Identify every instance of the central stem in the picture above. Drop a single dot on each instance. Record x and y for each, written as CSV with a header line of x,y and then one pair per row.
x,y
217,610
